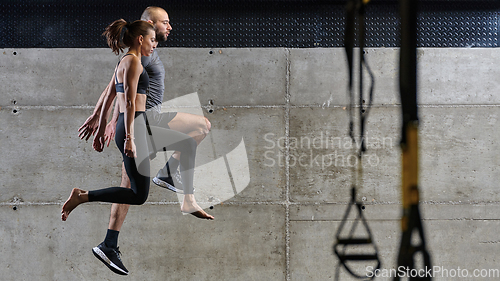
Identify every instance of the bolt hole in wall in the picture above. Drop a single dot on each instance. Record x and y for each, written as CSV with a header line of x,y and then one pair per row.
x,y
14,53
13,101
15,111
14,208
210,104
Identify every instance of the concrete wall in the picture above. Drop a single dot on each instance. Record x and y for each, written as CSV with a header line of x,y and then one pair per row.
x,y
288,105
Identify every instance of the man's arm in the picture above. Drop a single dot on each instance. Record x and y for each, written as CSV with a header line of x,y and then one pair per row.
x,y
102,117
110,132
90,125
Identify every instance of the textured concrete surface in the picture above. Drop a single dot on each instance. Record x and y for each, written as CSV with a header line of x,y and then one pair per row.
x,y
157,241
59,77
288,109
230,77
460,236
456,165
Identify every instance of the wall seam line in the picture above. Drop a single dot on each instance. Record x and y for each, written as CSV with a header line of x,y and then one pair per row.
x,y
91,107
344,203
287,165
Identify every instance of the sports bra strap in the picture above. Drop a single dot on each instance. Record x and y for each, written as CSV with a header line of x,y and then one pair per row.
x,y
116,78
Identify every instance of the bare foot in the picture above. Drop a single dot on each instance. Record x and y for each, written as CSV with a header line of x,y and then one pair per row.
x,y
73,201
189,206
201,214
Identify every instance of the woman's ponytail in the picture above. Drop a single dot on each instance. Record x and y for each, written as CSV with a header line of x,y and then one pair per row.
x,y
113,35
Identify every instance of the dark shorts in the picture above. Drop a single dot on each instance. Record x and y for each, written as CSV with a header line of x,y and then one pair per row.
x,y
157,119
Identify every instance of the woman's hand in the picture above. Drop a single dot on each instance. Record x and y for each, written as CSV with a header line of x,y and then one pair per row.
x,y
89,127
99,141
109,133
130,148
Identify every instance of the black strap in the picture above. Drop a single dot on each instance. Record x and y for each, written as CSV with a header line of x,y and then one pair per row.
x,y
150,133
356,9
411,221
408,251
116,79
343,245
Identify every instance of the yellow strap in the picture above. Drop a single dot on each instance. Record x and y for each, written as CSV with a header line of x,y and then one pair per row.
x,y
410,171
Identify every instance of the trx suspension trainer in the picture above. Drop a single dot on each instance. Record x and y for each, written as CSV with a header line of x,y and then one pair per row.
x,y
343,245
411,220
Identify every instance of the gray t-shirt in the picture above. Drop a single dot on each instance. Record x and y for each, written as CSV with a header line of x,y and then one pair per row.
x,y
156,72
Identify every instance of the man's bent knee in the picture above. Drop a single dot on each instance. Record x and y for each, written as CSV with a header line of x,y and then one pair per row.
x,y
208,125
204,129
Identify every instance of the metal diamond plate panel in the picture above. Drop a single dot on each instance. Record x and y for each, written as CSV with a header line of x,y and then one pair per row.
x,y
247,23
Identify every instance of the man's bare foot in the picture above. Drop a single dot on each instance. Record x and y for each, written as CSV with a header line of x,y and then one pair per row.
x,y
189,206
75,199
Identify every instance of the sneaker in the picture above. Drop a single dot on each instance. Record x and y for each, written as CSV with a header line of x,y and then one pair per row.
x,y
172,183
111,258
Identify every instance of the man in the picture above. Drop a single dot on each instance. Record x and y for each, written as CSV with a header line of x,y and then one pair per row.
x,y
193,125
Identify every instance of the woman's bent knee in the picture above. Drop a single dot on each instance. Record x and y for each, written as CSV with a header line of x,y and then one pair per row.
x,y
140,200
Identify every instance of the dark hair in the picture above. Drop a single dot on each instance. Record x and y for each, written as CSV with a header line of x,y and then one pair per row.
x,y
114,37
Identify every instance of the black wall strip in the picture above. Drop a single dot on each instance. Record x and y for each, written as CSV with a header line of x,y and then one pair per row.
x,y
246,23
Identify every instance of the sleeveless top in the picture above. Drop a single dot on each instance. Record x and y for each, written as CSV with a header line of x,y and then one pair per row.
x,y
142,85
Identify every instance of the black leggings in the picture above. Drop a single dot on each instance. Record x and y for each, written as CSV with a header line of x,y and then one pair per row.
x,y
138,168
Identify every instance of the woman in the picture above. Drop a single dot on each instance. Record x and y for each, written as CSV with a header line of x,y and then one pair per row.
x,y
131,82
